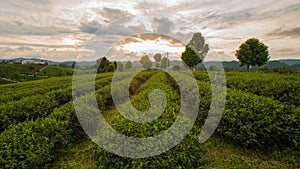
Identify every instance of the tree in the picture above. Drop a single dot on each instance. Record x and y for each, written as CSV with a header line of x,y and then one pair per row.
x,y
252,53
144,58
198,42
147,64
63,65
190,57
115,65
110,68
164,63
120,67
157,65
103,63
157,57
195,51
73,65
128,65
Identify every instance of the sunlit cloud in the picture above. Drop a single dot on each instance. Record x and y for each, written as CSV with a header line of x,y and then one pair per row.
x,y
61,30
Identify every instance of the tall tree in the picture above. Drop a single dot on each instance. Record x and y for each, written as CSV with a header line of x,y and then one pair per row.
x,y
105,65
164,63
146,62
144,58
157,57
103,62
198,42
191,57
195,51
252,53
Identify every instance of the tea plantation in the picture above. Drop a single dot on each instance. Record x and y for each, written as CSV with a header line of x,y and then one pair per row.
x,y
260,127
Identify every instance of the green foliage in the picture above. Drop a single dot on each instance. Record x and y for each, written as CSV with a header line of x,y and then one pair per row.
x,y
195,51
146,62
33,107
18,72
120,67
252,53
14,92
105,65
258,122
278,87
128,65
35,134
284,88
213,68
198,42
2,81
144,58
191,57
254,121
56,71
164,63
35,143
187,154
157,57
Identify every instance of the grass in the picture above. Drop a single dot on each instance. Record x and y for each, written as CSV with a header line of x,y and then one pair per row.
x,y
80,154
2,81
227,155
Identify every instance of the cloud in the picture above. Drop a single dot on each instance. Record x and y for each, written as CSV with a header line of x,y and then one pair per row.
x,y
112,14
164,25
90,27
286,51
285,32
55,24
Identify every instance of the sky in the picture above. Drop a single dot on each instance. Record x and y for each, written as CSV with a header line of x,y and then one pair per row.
x,y
125,30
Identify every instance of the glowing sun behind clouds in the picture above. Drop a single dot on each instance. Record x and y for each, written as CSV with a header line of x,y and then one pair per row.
x,y
149,44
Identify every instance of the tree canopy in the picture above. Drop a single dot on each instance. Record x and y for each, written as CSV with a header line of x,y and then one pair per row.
x,y
190,57
195,51
198,42
164,63
157,57
146,62
144,58
252,53
105,65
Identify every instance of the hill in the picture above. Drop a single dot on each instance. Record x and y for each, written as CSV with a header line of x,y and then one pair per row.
x,y
10,73
290,62
18,72
55,71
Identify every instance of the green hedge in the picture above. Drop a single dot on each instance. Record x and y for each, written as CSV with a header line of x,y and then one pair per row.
x,y
33,144
30,108
187,154
285,88
255,121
